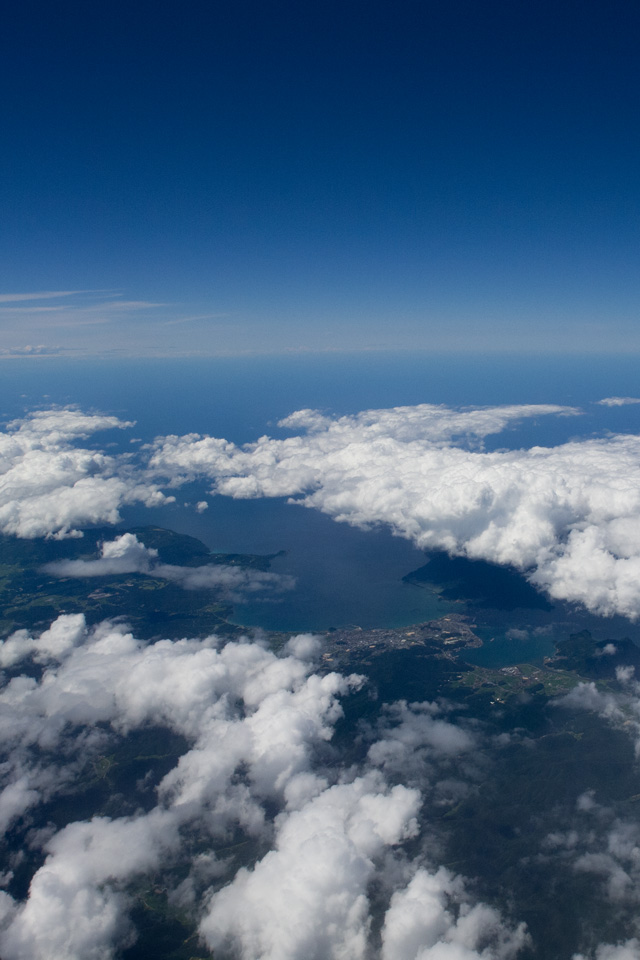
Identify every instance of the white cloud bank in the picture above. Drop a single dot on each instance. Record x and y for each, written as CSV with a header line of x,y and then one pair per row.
x,y
255,723
49,486
567,516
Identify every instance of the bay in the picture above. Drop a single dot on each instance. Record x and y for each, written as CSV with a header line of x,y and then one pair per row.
x,y
343,575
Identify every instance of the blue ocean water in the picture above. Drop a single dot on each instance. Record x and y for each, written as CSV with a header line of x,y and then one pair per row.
x,y
344,575
242,398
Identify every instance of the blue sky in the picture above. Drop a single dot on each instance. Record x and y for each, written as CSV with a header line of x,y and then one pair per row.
x,y
223,177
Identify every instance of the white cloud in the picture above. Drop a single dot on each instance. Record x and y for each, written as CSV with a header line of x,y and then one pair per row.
x,y
254,723
106,676
305,646
45,295
126,554
240,707
604,845
432,919
51,486
410,734
30,350
567,516
629,950
586,696
75,910
53,644
618,401
620,708
235,581
308,896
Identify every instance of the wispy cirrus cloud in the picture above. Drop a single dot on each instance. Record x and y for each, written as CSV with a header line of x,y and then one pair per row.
x,y
93,322
195,319
72,314
42,295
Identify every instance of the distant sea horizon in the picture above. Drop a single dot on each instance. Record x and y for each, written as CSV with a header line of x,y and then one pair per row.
x,y
243,397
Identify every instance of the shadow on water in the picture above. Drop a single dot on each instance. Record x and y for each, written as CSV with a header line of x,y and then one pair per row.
x,y
483,584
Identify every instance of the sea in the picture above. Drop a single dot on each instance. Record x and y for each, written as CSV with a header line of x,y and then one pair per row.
x,y
344,576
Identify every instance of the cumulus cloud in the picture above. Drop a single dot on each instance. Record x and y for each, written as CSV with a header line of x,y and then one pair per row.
x,y
620,708
424,746
587,696
258,726
126,554
236,582
432,919
567,516
618,401
628,950
408,735
111,677
75,909
52,644
254,724
239,706
602,844
612,857
51,486
307,897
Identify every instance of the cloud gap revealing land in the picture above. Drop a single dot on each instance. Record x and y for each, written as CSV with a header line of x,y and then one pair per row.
x,y
460,780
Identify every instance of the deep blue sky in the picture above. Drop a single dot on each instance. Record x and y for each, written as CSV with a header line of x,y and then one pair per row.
x,y
346,175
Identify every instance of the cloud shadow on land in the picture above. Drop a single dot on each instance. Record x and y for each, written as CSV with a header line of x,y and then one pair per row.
x,y
485,585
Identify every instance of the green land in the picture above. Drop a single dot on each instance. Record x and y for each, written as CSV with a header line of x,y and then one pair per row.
x,y
31,598
515,793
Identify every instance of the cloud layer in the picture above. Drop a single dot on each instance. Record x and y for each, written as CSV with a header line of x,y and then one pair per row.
x,y
254,724
567,516
51,486
259,762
